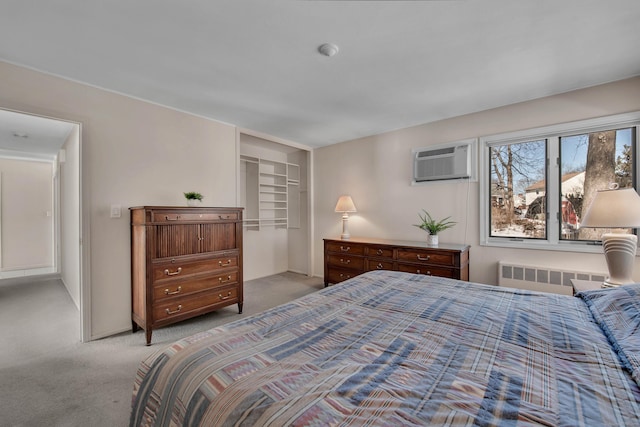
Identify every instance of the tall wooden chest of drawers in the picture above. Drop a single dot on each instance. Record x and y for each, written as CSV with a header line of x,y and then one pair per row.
x,y
184,262
344,259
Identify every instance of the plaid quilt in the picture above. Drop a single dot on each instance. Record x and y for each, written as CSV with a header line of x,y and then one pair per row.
x,y
396,349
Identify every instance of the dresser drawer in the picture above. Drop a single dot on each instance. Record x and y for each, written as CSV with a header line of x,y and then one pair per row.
x,y
337,275
177,268
380,252
186,306
427,256
374,264
347,261
345,248
429,270
177,288
185,216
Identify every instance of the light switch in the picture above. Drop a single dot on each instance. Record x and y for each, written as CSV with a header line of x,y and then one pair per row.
x,y
116,211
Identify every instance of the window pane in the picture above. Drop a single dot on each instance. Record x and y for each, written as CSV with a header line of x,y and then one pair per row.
x,y
588,163
518,190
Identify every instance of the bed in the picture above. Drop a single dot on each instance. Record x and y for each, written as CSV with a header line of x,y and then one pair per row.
x,y
390,349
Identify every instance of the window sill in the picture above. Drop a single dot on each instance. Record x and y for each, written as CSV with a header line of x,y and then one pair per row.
x,y
546,246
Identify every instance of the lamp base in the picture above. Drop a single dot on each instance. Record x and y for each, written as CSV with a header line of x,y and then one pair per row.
x,y
620,253
345,227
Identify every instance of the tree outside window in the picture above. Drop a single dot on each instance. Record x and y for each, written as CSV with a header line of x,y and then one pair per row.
x,y
539,183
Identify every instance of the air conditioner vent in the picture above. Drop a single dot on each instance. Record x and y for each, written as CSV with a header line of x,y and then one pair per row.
x,y
453,161
437,152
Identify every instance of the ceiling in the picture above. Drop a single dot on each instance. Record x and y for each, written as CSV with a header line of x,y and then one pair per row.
x,y
255,64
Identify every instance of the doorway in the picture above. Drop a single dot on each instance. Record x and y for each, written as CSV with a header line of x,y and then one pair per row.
x,y
43,151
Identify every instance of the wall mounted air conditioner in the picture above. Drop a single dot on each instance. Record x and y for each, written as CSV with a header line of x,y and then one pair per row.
x,y
442,162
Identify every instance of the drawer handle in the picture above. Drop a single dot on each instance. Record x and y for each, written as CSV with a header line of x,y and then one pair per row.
x,y
169,218
379,266
343,249
423,259
224,281
345,262
177,291
224,297
428,273
224,216
379,252
348,276
174,311
175,273
228,263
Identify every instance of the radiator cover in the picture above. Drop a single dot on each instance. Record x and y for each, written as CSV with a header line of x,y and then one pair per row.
x,y
539,278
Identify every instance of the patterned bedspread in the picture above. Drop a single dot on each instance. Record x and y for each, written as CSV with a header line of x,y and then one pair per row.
x,y
391,349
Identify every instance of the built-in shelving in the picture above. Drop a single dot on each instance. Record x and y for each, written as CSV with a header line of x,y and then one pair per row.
x,y
272,194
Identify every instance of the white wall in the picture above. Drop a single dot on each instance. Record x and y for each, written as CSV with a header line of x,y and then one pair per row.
x,y
69,178
27,214
133,153
376,172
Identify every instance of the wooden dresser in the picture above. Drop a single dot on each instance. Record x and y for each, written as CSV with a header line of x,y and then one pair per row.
x,y
344,259
184,262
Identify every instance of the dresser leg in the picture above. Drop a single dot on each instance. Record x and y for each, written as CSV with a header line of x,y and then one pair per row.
x,y
239,308
148,334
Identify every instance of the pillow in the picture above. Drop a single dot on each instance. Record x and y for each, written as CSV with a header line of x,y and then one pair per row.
x,y
617,312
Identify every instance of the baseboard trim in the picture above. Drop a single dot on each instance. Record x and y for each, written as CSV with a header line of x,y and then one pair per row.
x,y
28,279
102,335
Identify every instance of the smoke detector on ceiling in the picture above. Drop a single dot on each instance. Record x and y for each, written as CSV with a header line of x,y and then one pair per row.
x,y
328,49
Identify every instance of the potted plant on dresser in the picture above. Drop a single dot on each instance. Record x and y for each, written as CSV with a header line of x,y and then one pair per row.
x,y
433,227
193,198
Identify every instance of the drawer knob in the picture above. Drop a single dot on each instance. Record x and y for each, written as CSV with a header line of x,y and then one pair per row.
x,y
177,291
221,264
174,311
345,249
224,297
423,259
342,276
379,252
379,266
224,281
345,262
174,273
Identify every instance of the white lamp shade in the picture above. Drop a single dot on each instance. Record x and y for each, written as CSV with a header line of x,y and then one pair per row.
x,y
613,209
345,204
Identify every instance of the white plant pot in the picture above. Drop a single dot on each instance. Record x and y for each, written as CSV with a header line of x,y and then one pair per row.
x,y
432,239
193,202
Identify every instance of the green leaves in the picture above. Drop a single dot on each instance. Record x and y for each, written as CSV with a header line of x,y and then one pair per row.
x,y
192,195
432,226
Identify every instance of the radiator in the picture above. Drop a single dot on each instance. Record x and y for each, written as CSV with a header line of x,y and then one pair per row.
x,y
537,278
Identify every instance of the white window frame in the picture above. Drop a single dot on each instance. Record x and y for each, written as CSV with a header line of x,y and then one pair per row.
x,y
552,134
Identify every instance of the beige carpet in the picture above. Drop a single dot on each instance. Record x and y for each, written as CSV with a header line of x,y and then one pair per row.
x,y
49,378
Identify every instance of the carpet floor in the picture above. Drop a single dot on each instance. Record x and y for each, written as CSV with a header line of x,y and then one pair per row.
x,y
49,378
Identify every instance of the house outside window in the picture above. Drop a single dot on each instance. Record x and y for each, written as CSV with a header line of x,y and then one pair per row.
x,y
536,185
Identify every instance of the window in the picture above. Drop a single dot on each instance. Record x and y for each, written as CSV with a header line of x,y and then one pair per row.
x,y
537,184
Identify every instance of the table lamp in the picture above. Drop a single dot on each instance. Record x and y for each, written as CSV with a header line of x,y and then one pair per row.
x,y
345,205
616,208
